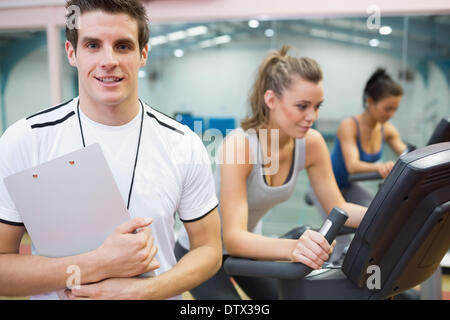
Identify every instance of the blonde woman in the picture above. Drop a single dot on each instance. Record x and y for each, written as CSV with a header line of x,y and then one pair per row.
x,y
253,176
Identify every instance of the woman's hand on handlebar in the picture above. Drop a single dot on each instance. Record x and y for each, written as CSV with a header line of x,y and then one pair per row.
x,y
384,168
312,249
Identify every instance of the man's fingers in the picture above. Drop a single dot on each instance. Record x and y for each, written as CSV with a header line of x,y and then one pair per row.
x,y
153,263
81,293
134,224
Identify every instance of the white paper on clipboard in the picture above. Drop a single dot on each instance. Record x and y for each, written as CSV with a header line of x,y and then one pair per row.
x,y
68,205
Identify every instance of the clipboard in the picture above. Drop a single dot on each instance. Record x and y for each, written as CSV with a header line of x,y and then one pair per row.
x,y
68,205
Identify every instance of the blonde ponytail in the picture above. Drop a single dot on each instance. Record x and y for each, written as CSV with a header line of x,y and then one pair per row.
x,y
276,73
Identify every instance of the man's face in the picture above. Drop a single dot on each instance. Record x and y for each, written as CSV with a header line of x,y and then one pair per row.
x,y
108,58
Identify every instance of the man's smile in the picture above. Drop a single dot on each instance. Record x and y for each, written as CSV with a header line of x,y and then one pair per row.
x,y
109,79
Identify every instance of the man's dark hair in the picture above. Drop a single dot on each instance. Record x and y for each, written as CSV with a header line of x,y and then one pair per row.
x,y
133,8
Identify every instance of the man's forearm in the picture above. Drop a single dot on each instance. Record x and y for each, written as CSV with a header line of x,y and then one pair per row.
x,y
22,275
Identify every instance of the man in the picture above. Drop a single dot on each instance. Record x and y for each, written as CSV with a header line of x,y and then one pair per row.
x,y
159,166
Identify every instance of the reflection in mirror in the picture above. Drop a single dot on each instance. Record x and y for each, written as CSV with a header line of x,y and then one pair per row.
x,y
206,69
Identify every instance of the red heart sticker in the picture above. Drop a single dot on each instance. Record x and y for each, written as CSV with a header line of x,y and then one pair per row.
x,y
35,176
72,162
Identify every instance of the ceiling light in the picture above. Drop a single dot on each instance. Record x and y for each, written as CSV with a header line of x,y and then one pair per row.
x,y
253,23
178,53
222,39
269,33
215,41
385,30
196,31
374,42
142,74
156,41
206,44
177,35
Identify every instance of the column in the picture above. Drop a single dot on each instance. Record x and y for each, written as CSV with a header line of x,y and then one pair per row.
x,y
54,62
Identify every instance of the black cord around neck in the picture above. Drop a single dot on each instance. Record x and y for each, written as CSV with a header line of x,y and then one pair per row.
x,y
137,150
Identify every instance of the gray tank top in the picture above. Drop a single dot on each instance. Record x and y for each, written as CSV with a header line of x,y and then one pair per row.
x,y
260,196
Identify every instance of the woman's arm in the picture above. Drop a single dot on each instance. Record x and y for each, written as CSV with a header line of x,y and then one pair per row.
x,y
238,241
320,173
347,135
393,139
311,249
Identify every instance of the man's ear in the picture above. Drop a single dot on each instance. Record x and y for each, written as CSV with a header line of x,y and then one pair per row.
x,y
144,55
269,98
71,54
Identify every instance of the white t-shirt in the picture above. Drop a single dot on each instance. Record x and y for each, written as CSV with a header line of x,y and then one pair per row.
x,y
173,172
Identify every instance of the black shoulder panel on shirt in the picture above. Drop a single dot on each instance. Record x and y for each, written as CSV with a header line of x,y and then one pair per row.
x,y
164,124
53,123
156,110
50,109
